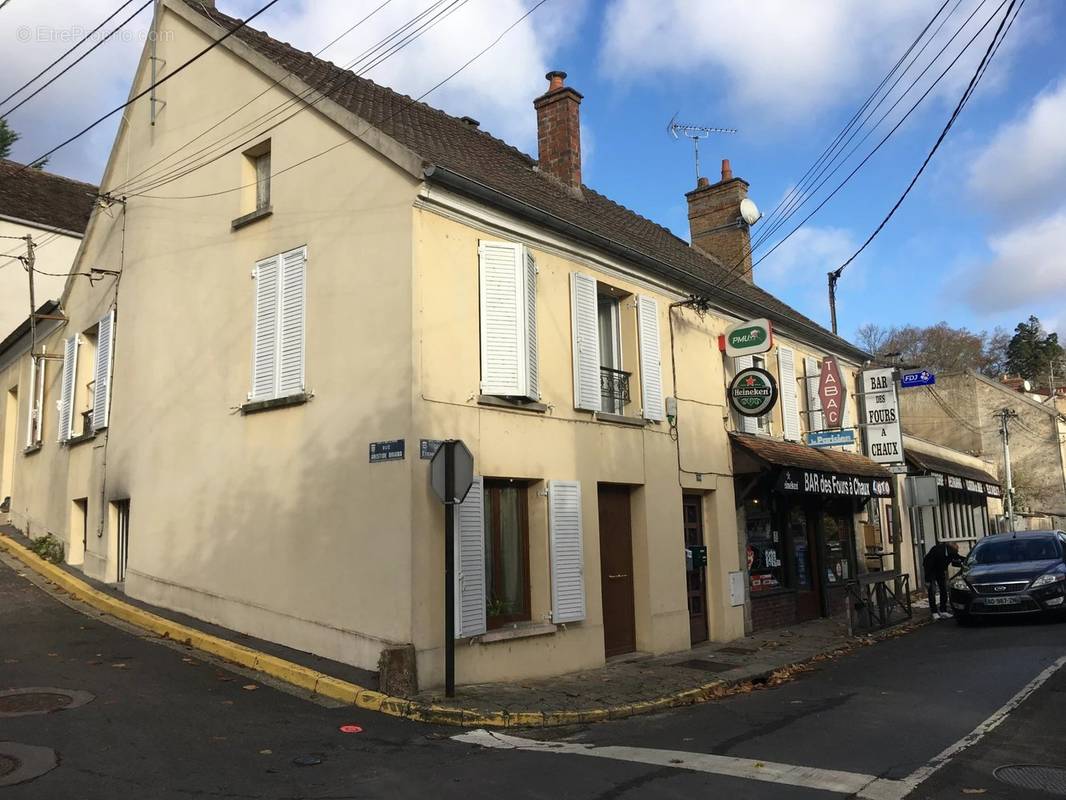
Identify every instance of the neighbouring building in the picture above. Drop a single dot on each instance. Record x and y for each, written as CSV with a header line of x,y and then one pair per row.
x,y
961,412
53,210
295,323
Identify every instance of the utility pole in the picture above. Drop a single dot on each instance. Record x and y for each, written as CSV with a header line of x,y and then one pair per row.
x,y
834,276
29,260
1005,416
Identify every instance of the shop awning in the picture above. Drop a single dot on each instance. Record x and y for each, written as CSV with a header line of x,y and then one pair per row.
x,y
813,470
954,475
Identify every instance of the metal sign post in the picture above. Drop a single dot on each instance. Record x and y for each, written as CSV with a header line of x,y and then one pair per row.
x,y
451,473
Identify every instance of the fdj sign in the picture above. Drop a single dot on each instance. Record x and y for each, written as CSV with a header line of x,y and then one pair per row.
x,y
753,392
749,338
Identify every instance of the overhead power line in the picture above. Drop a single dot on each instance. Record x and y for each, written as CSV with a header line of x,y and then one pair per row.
x,y
353,138
70,50
157,83
407,33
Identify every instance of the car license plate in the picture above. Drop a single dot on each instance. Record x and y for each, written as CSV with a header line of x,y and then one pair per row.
x,y
1002,601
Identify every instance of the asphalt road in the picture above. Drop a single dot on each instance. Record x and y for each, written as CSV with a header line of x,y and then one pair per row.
x,y
166,723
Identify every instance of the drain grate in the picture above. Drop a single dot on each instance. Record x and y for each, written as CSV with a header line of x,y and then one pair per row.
x,y
705,665
40,700
34,703
8,764
1041,777
738,651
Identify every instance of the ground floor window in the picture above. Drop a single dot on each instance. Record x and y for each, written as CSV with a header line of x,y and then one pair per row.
x,y
506,552
765,550
838,535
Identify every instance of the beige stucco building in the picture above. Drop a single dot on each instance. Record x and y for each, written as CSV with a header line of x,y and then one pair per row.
x,y
301,307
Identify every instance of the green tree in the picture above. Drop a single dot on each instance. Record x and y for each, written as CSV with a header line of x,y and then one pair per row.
x,y
7,138
938,347
1033,353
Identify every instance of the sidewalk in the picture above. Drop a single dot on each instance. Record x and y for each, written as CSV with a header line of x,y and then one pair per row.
x,y
624,687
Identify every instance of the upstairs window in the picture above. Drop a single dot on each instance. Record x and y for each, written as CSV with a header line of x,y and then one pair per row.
x,y
255,185
278,347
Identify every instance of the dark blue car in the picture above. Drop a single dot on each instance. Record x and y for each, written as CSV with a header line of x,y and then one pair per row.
x,y
1012,573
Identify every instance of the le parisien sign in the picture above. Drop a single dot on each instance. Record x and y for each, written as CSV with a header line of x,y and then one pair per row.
x,y
832,394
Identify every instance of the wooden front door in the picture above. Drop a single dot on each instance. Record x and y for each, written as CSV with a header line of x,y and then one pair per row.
x,y
692,508
616,570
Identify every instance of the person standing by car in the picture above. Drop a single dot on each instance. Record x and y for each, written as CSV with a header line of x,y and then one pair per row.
x,y
935,564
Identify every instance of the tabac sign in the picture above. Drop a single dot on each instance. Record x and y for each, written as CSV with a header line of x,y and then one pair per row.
x,y
748,338
832,393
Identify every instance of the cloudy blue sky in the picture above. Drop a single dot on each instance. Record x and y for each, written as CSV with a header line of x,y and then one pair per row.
x,y
980,242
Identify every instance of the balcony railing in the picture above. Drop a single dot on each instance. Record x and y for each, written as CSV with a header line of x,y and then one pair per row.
x,y
614,388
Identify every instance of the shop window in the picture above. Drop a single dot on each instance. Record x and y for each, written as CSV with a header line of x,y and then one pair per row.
x,y
765,550
837,533
506,552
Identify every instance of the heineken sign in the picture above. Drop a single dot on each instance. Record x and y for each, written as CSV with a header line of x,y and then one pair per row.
x,y
753,392
748,338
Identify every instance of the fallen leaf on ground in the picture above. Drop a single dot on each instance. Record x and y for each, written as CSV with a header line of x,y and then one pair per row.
x,y
53,655
227,702
250,687
119,666
266,752
974,791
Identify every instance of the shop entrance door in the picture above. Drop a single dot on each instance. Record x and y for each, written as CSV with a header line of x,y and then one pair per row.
x,y
692,506
805,556
616,570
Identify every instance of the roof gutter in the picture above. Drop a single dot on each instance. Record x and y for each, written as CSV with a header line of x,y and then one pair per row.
x,y
452,180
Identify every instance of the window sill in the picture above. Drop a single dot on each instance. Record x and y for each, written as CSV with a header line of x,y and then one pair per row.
x,y
620,419
248,219
255,406
81,438
521,630
514,404
33,448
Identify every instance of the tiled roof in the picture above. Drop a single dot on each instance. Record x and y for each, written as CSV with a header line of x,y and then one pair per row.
x,y
792,454
43,198
449,142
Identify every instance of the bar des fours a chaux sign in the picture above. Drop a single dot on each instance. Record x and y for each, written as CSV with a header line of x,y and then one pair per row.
x,y
881,428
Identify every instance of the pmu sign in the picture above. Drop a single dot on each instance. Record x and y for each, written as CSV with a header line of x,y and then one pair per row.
x,y
832,393
881,428
748,338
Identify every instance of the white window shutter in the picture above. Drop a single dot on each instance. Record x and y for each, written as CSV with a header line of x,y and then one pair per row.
x,y
532,365
32,404
469,568
264,349
586,342
747,424
66,396
105,339
786,365
848,418
566,551
292,322
814,403
503,334
651,370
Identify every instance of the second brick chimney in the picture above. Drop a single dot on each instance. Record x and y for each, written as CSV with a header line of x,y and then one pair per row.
x,y
715,224
559,131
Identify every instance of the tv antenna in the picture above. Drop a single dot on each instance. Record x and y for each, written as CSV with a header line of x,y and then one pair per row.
x,y
695,133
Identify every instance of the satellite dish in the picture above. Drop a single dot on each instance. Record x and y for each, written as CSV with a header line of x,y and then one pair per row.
x,y
749,212
1027,386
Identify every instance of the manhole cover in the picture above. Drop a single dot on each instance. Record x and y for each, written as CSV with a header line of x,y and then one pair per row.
x,y
1034,776
40,700
34,703
706,666
8,764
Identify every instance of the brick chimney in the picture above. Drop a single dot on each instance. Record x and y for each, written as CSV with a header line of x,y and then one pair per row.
x,y
715,225
559,131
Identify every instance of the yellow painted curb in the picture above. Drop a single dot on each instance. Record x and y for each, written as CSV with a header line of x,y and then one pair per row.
x,y
335,688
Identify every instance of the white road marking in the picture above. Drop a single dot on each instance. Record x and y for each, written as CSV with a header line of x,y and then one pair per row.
x,y
896,790
866,787
830,780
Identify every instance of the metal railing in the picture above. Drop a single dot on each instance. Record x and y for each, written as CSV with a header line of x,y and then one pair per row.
x,y
614,389
878,600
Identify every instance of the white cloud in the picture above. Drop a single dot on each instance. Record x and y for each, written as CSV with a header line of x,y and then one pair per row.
x,y
796,271
498,89
1027,271
782,60
1023,166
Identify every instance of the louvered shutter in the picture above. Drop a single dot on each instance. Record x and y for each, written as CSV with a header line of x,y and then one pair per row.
x,y
566,551
786,365
586,342
469,569
847,419
292,322
264,350
66,392
532,365
814,402
503,335
747,424
651,371
32,418
105,338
